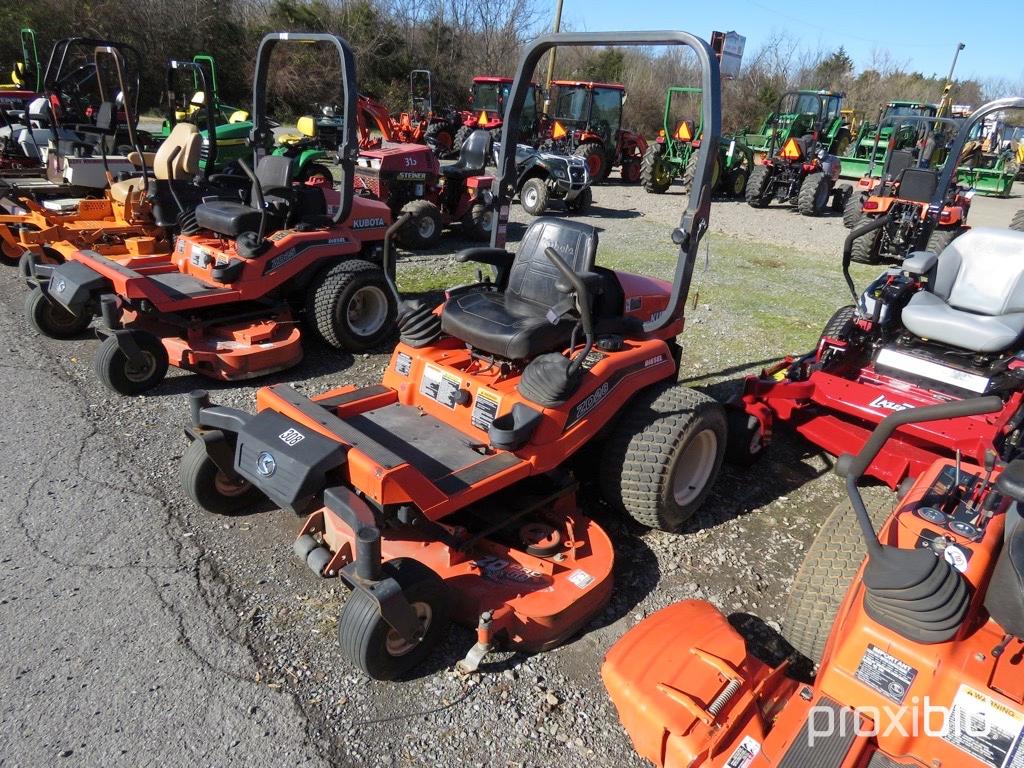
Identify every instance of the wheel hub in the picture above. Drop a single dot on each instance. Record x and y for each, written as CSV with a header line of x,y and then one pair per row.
x,y
694,467
141,370
367,310
396,645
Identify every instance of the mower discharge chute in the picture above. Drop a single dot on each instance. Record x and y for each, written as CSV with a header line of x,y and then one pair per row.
x,y
226,302
446,490
799,162
918,661
941,327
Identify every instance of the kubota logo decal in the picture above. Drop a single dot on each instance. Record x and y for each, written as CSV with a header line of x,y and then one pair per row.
x,y
889,405
368,223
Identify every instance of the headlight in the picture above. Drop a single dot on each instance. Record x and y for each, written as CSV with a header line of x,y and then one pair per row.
x,y
559,172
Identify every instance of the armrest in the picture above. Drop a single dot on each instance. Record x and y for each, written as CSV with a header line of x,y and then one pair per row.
x,y
496,257
229,180
593,281
136,159
920,262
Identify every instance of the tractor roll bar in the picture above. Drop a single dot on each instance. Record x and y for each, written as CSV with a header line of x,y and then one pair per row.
x,y
348,147
129,113
52,76
694,221
198,71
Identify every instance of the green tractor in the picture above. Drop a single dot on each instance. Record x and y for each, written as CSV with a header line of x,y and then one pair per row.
x,y
798,113
874,142
989,162
673,154
26,76
233,125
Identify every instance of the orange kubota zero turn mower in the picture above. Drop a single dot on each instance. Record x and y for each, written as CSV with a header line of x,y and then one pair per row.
x,y
138,214
445,491
226,301
938,328
919,663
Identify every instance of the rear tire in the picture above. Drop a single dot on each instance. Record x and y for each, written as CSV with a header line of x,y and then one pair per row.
x,y
119,374
317,174
736,183
534,196
1017,222
821,584
460,138
745,445
597,164
663,456
425,227
51,319
209,488
350,305
814,193
478,223
940,238
582,202
865,248
655,173
757,187
853,211
372,644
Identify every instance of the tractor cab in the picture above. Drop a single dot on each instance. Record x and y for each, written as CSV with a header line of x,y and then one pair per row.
x,y
587,108
896,129
489,95
806,117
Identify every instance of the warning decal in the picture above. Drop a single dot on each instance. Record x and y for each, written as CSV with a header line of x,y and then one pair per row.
x,y
403,364
886,674
985,729
440,385
485,408
744,754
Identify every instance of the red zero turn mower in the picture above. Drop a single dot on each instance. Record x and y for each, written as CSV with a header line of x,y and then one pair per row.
x,y
942,327
226,302
445,491
918,644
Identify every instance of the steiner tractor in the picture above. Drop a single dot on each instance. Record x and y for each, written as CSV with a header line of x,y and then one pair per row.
x,y
941,327
225,302
447,491
907,186
800,163
914,617
409,178
867,153
587,121
673,154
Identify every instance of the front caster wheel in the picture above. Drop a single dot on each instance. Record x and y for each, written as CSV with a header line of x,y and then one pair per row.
x,y
51,319
209,487
132,377
373,645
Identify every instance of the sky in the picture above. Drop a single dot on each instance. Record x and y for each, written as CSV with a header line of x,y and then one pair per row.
x,y
991,32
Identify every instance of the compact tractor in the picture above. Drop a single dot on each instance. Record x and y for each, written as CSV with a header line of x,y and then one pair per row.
x,y
673,154
914,617
447,491
409,178
225,303
989,163
872,142
586,120
799,164
488,100
908,185
940,327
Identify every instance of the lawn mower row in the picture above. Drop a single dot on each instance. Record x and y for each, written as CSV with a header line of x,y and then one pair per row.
x,y
450,491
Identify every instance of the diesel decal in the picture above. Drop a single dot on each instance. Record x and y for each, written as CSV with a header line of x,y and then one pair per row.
x,y
889,405
368,223
654,361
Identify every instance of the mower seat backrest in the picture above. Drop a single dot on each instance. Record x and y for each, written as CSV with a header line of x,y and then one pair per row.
x,y
918,184
185,138
899,161
105,117
472,158
975,301
274,173
512,322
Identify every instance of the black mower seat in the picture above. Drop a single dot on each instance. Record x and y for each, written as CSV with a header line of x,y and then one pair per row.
x,y
512,323
976,299
231,218
472,158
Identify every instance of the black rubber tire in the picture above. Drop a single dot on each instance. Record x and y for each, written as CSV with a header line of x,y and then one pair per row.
x,y
425,216
865,248
200,478
689,171
940,238
642,452
736,183
327,304
853,211
757,186
51,319
582,202
648,171
362,633
1017,222
593,149
314,170
460,138
439,137
820,585
839,325
113,368
745,444
814,193
537,193
478,223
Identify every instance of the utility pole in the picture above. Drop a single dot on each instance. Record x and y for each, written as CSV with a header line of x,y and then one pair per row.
x,y
551,57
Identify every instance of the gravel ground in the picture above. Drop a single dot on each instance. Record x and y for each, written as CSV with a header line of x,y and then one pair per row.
x,y
771,282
